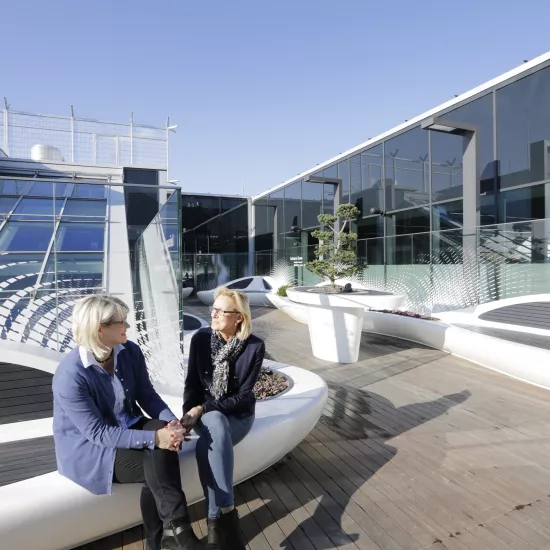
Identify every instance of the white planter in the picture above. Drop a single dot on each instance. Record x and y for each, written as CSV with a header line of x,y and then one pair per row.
x,y
187,291
295,311
281,423
334,324
430,333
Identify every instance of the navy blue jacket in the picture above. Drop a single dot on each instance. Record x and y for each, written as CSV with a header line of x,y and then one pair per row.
x,y
240,399
86,432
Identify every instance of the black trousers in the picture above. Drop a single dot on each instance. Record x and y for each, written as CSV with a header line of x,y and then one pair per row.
x,y
162,498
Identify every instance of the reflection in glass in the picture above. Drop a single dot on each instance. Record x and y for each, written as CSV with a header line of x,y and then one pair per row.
x,y
329,191
409,221
74,270
312,198
524,204
88,191
277,200
25,236
80,236
7,204
447,216
523,135
38,209
480,114
343,175
13,187
293,206
84,208
447,153
407,172
371,194
46,189
15,265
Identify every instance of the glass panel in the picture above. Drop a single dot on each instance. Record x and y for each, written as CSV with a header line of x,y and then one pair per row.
x,y
488,209
447,216
88,191
240,284
75,270
277,200
371,194
46,189
328,198
37,209
25,236
80,236
293,206
20,269
355,175
13,187
447,153
525,204
312,197
7,204
85,208
343,174
197,209
407,169
263,217
479,113
523,134
368,228
157,292
409,221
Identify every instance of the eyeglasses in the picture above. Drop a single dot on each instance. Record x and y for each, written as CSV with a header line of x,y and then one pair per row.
x,y
117,323
215,311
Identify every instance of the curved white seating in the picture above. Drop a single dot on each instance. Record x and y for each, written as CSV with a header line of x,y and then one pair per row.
x,y
64,515
255,290
471,315
522,362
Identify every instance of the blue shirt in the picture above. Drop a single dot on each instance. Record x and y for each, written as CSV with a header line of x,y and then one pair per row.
x,y
86,430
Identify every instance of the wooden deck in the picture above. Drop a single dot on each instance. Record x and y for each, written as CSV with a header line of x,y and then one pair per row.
x,y
416,449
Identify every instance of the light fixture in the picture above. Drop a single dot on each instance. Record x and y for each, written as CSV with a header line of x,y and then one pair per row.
x,y
447,126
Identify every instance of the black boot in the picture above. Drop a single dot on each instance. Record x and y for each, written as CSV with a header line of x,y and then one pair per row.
x,y
230,534
213,534
179,535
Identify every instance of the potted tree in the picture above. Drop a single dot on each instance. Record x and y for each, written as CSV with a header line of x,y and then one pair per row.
x,y
335,311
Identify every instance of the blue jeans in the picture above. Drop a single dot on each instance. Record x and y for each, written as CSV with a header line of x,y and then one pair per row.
x,y
218,434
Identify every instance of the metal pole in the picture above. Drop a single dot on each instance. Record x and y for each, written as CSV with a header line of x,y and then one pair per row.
x,y
72,133
132,138
116,150
167,150
6,127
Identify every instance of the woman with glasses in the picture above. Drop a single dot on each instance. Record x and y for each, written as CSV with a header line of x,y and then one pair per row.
x,y
101,435
224,364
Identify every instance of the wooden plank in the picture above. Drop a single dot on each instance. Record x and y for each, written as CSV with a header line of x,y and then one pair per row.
x,y
132,539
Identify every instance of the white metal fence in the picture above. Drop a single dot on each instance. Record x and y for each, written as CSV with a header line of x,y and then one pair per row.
x,y
84,141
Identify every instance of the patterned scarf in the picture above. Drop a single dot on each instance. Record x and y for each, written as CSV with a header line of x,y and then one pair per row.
x,y
223,354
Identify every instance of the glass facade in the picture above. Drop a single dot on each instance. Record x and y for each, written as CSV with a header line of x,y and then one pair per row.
x,y
416,177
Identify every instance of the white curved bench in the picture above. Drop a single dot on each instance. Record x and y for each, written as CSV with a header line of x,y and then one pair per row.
x,y
49,512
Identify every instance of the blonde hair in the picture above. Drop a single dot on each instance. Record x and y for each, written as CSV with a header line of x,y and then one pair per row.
x,y
90,313
242,306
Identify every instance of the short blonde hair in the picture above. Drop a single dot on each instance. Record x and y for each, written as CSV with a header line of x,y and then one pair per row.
x,y
242,306
90,313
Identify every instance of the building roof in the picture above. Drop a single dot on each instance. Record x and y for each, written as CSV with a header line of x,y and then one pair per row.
x,y
522,70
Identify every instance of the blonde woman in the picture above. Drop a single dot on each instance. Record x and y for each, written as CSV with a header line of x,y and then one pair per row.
x,y
101,435
224,364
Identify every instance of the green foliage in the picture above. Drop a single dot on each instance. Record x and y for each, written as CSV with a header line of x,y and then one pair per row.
x,y
281,291
336,252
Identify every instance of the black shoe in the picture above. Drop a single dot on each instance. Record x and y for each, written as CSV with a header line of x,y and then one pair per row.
x,y
213,534
180,536
230,534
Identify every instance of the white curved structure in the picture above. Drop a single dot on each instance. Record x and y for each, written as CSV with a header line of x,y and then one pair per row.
x,y
522,362
186,291
281,424
295,311
335,320
256,288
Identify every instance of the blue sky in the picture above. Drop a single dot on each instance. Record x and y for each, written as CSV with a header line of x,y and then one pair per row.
x,y
261,90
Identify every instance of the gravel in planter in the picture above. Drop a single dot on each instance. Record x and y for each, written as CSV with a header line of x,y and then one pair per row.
x,y
269,384
406,314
